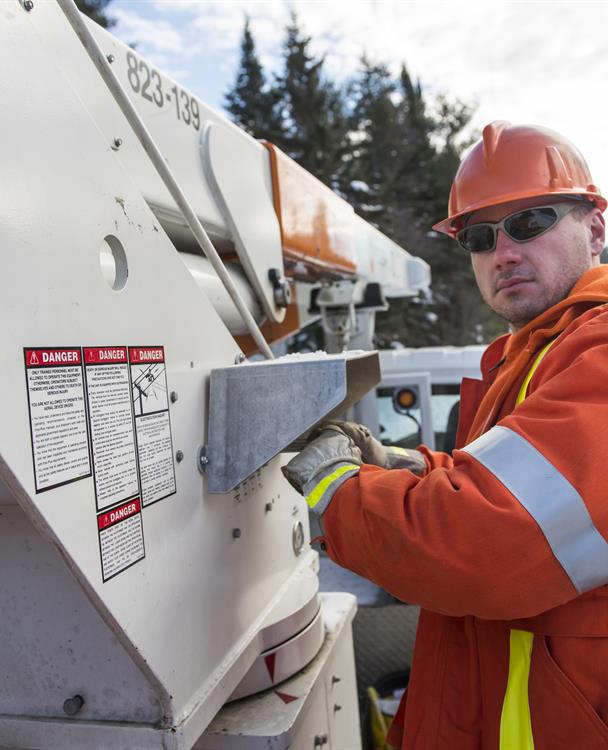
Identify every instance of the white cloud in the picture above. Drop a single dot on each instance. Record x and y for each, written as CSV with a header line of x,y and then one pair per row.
x,y
151,36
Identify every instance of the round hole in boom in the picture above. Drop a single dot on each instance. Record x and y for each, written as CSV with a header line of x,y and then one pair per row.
x,y
113,262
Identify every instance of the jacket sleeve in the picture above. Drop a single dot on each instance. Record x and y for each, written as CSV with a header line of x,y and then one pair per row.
x,y
517,524
435,459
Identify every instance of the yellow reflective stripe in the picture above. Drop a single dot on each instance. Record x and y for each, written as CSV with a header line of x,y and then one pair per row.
x,y
515,723
523,391
319,490
397,449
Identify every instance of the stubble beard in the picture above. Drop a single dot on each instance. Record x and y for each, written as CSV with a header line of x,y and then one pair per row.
x,y
519,313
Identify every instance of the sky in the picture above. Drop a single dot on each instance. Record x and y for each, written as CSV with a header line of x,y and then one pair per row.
x,y
543,62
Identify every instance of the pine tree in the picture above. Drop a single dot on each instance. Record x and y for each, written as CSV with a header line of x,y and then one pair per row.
x,y
251,102
95,9
372,168
405,156
453,313
311,109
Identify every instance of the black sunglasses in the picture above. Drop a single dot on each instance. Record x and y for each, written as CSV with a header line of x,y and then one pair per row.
x,y
520,226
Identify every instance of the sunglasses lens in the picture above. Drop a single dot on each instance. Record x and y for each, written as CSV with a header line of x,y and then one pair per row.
x,y
526,225
477,239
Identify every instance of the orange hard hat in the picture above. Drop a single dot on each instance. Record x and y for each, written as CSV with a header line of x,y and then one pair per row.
x,y
512,162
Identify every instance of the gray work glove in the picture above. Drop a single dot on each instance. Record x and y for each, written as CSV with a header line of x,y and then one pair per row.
x,y
373,452
323,466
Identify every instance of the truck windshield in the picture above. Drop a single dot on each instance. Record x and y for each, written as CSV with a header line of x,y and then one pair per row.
x,y
404,429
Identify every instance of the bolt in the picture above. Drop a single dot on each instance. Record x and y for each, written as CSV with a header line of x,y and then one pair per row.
x,y
28,5
110,59
173,396
179,456
320,740
281,288
117,144
203,460
236,533
239,359
268,507
72,706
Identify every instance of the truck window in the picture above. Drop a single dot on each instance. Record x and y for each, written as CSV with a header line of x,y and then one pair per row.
x,y
404,429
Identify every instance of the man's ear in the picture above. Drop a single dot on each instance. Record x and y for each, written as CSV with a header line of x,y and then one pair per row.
x,y
597,227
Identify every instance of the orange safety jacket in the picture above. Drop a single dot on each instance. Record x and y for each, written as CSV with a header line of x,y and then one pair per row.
x,y
504,545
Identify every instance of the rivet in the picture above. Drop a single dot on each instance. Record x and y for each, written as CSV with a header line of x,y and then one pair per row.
x,y
173,396
110,58
28,5
179,456
72,706
236,533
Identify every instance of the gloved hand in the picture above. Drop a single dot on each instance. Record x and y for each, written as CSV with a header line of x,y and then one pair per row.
x,y
324,464
373,452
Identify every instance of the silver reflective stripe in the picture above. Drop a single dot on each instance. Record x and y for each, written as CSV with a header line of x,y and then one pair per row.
x,y
551,500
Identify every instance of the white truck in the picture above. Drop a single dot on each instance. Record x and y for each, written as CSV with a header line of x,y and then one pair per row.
x,y
155,566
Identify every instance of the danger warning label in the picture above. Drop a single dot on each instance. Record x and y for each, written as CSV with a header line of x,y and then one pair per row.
x,y
152,424
58,423
112,429
121,538
103,411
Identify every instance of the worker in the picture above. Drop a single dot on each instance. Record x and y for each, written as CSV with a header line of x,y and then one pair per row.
x,y
504,543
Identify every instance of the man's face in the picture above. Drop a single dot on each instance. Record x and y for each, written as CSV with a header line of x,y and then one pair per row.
x,y
520,280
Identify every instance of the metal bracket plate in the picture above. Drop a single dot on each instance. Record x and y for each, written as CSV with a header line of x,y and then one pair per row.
x,y
257,410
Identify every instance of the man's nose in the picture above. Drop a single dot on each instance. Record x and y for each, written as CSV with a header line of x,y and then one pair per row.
x,y
507,251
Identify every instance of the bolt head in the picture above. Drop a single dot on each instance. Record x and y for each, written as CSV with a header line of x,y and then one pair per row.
x,y
173,396
179,456
28,5
72,706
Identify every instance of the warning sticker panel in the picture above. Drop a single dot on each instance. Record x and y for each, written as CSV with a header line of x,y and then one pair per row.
x,y
103,411
152,423
58,423
121,538
112,430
